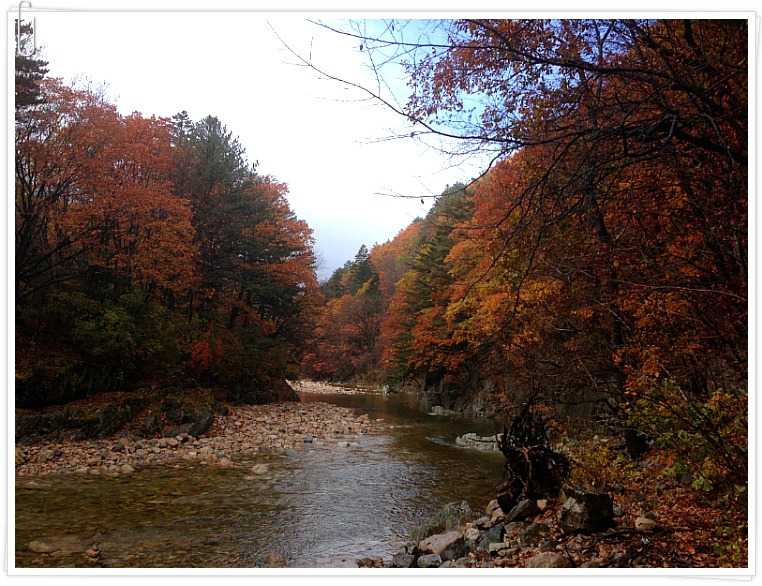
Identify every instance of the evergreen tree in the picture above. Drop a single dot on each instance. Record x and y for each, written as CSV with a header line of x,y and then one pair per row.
x,y
360,271
30,71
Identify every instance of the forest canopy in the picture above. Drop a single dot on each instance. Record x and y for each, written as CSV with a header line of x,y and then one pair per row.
x,y
600,266
149,251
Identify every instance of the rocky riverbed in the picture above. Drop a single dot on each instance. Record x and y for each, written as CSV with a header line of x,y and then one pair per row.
x,y
581,529
234,438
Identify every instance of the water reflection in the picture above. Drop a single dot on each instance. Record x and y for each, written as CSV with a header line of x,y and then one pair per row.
x,y
323,508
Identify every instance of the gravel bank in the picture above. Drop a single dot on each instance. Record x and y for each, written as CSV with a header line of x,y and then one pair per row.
x,y
245,431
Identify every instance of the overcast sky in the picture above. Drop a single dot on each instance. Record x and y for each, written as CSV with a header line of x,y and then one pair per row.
x,y
317,135
313,134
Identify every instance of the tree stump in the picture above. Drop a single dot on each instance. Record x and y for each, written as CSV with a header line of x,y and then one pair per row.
x,y
532,469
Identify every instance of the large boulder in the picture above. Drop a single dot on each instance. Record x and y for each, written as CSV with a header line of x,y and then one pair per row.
x,y
585,511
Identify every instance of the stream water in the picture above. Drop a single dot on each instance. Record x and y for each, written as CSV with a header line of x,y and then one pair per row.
x,y
326,507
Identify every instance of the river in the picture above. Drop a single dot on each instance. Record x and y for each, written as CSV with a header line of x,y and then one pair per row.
x,y
325,507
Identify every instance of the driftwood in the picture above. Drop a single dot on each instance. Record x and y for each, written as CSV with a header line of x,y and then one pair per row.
x,y
532,469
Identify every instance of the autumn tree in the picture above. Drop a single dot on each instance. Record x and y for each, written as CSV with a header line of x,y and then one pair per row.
x,y
392,259
255,261
618,244
93,190
149,250
419,343
96,221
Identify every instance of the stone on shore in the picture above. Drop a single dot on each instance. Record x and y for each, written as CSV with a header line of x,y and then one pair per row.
x,y
496,533
450,545
497,516
497,547
472,440
403,560
259,469
585,510
430,560
524,509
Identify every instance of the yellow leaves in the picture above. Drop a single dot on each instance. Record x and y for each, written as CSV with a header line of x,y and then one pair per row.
x,y
651,367
584,313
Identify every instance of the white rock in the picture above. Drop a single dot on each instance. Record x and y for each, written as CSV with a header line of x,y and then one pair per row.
x,y
645,524
471,534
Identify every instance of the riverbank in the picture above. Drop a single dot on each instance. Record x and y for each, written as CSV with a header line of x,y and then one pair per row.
x,y
309,386
612,513
238,436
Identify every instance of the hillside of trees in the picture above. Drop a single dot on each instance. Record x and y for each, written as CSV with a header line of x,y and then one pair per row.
x,y
599,269
149,252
